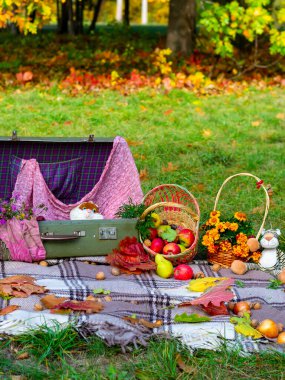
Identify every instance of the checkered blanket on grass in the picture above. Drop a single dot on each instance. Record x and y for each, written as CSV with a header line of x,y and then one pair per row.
x,y
147,296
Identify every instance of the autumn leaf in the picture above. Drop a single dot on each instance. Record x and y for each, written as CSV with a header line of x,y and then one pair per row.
x,y
143,322
87,306
199,111
50,301
183,366
216,295
202,284
207,133
169,168
255,123
101,291
242,326
143,174
216,310
168,112
20,286
134,143
9,309
280,116
190,318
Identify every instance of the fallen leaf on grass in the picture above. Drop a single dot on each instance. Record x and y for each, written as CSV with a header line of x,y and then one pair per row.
x,y
255,123
9,309
51,301
143,174
143,322
183,366
134,143
206,133
191,318
23,355
280,116
169,168
168,112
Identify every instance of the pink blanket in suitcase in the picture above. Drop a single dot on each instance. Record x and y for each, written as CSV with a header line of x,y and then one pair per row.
x,y
118,183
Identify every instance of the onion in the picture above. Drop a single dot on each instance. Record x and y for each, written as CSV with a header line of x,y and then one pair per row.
x,y
268,328
281,338
241,306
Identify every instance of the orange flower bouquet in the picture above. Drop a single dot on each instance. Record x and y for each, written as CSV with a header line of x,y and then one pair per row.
x,y
226,241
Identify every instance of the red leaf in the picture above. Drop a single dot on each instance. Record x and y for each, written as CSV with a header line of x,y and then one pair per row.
x,y
216,295
216,310
88,306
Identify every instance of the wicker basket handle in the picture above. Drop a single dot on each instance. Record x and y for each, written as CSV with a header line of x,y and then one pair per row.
x,y
267,199
168,204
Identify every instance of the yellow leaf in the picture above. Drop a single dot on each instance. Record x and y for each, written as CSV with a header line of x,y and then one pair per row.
x,y
247,330
255,123
206,133
202,284
143,174
280,116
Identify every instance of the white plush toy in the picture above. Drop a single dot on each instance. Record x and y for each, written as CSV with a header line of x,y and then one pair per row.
x,y
272,259
269,242
86,211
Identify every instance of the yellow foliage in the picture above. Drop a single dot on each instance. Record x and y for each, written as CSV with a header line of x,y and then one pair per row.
x,y
202,284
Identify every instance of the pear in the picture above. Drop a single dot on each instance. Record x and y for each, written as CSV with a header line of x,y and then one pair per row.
x,y
164,267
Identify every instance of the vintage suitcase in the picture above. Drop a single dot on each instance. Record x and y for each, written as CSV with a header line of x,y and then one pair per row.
x,y
66,238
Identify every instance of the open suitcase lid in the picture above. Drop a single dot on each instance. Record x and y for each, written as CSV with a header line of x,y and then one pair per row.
x,y
85,160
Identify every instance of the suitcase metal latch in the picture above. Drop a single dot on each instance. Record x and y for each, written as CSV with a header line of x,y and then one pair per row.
x,y
107,233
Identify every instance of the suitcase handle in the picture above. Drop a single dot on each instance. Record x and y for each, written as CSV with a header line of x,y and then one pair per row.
x,y
53,236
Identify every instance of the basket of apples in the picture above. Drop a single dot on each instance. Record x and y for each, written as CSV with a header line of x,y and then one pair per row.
x,y
173,217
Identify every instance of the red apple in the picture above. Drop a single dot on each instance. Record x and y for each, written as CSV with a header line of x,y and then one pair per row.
x,y
171,249
186,237
152,233
157,245
183,272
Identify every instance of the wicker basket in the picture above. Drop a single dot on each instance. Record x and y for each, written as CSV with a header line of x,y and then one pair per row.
x,y
178,206
226,259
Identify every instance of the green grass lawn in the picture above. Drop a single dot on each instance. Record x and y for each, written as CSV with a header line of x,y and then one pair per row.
x,y
174,138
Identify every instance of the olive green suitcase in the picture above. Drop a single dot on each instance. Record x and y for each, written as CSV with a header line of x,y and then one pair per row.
x,y
70,238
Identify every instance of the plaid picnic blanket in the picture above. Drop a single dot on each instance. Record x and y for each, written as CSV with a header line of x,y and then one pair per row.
x,y
147,296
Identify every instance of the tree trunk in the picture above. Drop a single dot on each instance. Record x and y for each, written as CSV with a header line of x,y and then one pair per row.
x,y
62,17
95,15
181,26
127,12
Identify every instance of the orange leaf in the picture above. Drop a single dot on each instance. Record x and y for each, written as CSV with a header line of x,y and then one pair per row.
x,y
50,301
206,133
67,122
280,116
134,143
27,76
255,123
9,309
168,112
169,168
143,174
183,366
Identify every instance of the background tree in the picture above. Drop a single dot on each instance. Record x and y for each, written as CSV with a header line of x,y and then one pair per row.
x,y
181,26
